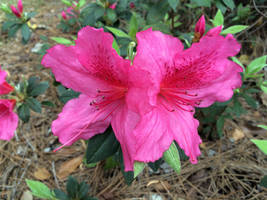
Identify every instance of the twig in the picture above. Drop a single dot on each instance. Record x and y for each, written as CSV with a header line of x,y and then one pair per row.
x,y
54,173
255,6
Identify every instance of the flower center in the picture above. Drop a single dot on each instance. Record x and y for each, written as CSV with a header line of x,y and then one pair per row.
x,y
174,98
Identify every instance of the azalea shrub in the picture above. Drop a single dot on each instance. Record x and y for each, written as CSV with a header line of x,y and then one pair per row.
x,y
17,19
16,102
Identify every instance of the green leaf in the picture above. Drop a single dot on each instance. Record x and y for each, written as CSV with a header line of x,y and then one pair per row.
x,y
111,14
116,46
101,146
220,125
157,12
61,195
66,2
264,89
13,30
263,182
218,19
48,103
171,156
5,8
39,189
220,6
72,187
81,3
118,32
256,65
129,175
173,3
24,112
229,3
99,11
263,126
39,89
138,168
234,29
250,101
133,27
34,104
62,40
261,144
205,3
8,24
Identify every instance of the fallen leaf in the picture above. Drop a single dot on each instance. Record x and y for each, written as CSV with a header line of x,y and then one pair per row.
x,y
42,174
68,167
237,134
27,195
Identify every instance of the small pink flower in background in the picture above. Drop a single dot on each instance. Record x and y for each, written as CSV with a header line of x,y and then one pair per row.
x,y
113,6
8,119
5,88
64,16
182,80
19,10
20,6
104,79
132,5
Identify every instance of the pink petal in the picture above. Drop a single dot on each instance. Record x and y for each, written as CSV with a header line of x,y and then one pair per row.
x,y
68,70
157,129
15,11
5,88
95,52
20,6
79,120
200,26
113,6
205,70
64,16
8,119
214,31
123,122
154,50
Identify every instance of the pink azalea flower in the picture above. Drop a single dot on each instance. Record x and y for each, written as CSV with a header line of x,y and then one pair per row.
x,y
8,119
113,6
182,80
19,10
5,88
105,80
64,16
132,5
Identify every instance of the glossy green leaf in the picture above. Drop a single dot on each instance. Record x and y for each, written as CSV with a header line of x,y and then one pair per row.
x,y
118,32
220,125
66,2
205,3
256,65
138,168
263,88
133,27
34,104
173,3
116,47
101,146
234,29
261,144
171,156
81,3
263,126
62,40
218,19
111,14
24,112
40,190
39,89
229,3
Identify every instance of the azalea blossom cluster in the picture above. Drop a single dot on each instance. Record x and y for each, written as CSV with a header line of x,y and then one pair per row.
x,y
8,118
150,103
18,12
